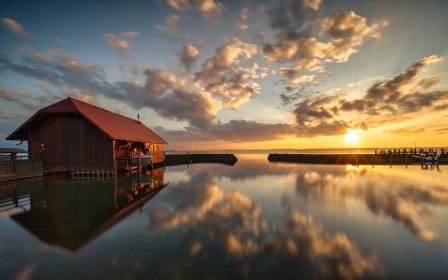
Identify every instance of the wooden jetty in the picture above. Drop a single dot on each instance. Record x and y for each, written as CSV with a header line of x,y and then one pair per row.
x,y
384,157
15,167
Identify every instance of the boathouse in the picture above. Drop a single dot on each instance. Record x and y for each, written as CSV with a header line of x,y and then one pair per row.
x,y
73,135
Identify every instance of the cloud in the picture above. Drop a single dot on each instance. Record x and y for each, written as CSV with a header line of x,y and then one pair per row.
x,y
7,95
406,131
170,28
225,78
315,118
249,131
235,131
346,31
243,22
179,5
118,42
15,27
312,4
387,101
169,95
308,42
209,8
189,55
129,34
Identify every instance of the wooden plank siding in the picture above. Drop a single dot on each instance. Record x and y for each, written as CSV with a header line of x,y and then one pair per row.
x,y
69,142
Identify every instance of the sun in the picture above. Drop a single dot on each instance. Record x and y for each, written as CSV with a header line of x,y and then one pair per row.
x,y
352,136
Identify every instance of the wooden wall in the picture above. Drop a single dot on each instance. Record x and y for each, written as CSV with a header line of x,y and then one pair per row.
x,y
68,142
156,150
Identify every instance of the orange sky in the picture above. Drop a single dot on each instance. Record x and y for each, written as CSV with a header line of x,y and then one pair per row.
x,y
237,74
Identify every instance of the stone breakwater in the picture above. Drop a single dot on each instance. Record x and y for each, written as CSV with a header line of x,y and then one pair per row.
x,y
179,159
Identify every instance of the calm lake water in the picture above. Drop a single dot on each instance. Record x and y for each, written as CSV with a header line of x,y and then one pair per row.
x,y
253,220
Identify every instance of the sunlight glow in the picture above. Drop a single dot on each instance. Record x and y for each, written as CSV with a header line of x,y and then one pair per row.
x,y
352,136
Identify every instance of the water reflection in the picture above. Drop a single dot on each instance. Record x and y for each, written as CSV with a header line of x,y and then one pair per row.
x,y
298,247
406,197
255,220
70,213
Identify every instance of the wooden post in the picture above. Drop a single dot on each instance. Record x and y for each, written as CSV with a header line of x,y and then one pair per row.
x,y
114,161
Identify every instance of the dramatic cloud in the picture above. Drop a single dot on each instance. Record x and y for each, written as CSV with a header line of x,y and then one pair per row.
x,y
225,78
347,31
390,100
169,95
314,118
300,38
172,95
15,27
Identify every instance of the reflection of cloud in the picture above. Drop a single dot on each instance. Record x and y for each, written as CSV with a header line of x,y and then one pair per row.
x,y
198,201
234,222
406,203
15,27
299,240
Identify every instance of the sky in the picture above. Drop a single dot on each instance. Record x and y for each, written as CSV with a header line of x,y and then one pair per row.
x,y
225,75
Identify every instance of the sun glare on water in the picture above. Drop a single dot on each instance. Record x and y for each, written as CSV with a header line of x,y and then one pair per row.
x,y
352,136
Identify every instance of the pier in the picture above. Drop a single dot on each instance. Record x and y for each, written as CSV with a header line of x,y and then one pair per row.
x,y
380,157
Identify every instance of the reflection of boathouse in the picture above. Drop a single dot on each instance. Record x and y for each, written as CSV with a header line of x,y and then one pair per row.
x,y
72,135
71,213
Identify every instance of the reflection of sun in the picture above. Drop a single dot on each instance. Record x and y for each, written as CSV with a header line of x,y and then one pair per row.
x,y
352,136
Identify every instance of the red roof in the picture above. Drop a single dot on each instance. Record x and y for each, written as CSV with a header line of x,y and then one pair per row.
x,y
114,125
